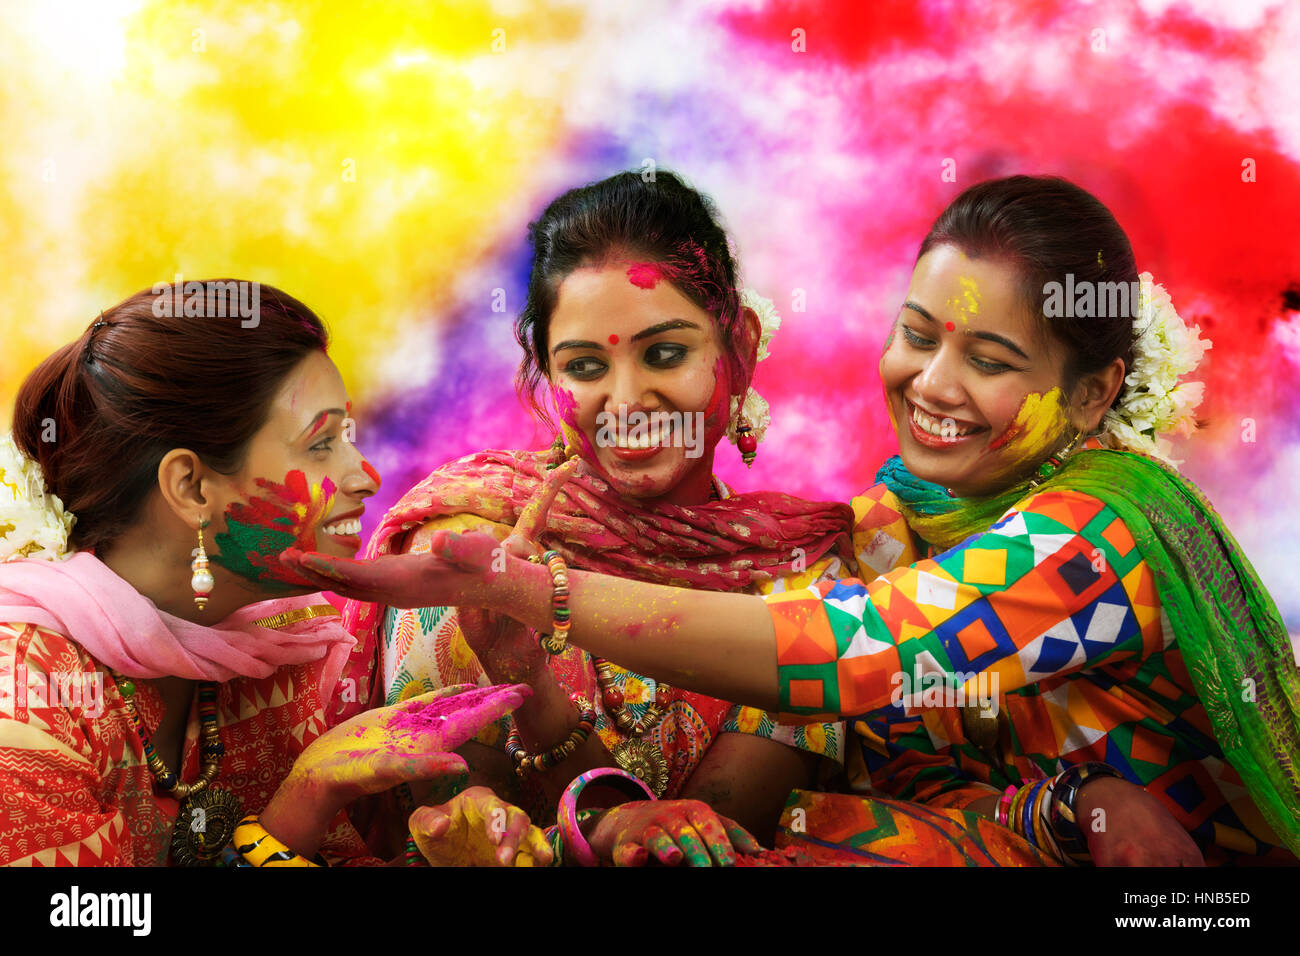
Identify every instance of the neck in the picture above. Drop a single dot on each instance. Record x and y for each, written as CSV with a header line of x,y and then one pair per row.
x,y
694,488
159,570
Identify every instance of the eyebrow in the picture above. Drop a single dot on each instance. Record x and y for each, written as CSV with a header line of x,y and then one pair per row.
x,y
319,420
668,326
987,336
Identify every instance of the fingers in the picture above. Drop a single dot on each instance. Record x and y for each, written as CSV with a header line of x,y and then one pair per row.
x,y
533,518
691,845
741,839
628,853
709,827
431,822
659,843
537,849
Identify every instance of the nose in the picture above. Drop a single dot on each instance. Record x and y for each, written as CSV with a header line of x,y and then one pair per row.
x,y
629,387
362,480
939,382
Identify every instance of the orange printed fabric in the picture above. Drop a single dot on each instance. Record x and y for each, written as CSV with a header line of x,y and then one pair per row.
x,y
837,828
74,785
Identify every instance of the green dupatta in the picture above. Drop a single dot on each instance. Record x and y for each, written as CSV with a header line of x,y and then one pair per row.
x,y
1226,625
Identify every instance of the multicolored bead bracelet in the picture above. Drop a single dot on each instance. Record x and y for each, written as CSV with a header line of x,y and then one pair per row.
x,y
524,762
555,642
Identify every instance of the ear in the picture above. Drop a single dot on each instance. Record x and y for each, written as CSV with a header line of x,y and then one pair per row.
x,y
181,479
1094,394
749,332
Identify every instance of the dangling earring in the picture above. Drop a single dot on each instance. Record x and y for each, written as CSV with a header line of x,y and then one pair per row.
x,y
201,580
746,442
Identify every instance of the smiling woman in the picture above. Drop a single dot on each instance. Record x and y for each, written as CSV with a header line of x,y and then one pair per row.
x,y
157,424
635,336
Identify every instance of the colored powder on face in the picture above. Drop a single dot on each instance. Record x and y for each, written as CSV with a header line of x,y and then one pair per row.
x,y
1038,423
318,424
259,529
967,303
645,275
370,470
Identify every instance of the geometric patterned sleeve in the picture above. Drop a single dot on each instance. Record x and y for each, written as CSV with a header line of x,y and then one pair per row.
x,y
823,739
1051,588
50,759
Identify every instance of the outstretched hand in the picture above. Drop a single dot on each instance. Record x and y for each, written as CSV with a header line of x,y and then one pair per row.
x,y
413,740
456,570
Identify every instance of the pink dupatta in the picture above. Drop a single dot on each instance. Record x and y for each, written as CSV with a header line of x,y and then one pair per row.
x,y
122,629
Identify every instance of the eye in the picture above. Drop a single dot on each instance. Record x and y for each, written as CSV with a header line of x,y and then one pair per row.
x,y
992,368
665,354
585,368
324,445
914,339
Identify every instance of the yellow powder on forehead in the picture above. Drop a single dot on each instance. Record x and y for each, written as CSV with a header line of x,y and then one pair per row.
x,y
967,302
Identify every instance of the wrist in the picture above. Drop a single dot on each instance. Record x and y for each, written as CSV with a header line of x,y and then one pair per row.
x,y
300,812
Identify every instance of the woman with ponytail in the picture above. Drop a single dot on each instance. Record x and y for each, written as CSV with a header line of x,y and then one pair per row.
x,y
162,676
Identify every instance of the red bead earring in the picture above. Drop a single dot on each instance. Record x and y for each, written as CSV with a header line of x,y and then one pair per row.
x,y
745,441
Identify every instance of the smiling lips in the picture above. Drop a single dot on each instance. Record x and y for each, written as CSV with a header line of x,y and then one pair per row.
x,y
638,448
934,432
345,526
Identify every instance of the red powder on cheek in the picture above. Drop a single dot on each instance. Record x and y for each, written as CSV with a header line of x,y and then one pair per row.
x,y
645,275
370,470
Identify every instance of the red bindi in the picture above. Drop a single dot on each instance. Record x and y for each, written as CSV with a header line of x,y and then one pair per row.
x,y
949,326
613,340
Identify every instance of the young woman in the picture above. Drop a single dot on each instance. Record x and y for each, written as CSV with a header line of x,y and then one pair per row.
x,y
163,686
636,332
1119,618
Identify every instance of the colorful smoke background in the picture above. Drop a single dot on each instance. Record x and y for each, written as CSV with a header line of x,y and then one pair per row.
x,y
382,162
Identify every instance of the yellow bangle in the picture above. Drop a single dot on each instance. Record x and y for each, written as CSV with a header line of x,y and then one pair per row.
x,y
259,848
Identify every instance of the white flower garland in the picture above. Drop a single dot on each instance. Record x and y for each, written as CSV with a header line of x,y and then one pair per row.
x,y
755,407
33,523
1154,402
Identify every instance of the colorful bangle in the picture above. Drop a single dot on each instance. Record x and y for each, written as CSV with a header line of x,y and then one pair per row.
x,y
555,642
259,848
1004,804
556,839
1062,819
412,856
1026,813
524,762
1039,820
576,845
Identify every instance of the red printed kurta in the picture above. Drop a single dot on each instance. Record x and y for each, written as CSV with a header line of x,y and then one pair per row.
x,y
74,785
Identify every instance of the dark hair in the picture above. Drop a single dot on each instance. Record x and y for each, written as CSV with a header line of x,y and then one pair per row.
x,y
100,413
661,220
1048,227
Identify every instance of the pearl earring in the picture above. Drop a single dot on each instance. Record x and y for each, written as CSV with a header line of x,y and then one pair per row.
x,y
201,580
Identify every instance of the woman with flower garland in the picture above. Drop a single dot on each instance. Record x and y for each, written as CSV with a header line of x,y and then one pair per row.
x,y
635,329
1035,561
162,702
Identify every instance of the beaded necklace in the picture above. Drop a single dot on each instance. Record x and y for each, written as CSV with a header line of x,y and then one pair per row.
x,y
207,817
